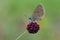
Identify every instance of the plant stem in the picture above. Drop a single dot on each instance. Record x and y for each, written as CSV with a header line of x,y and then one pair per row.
x,y
20,35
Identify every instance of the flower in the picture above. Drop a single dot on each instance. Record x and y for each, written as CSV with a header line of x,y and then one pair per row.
x,y
32,27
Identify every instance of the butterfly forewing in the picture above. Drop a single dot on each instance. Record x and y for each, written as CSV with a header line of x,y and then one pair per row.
x,y
38,12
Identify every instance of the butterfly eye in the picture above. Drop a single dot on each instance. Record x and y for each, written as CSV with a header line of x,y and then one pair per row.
x,y
30,18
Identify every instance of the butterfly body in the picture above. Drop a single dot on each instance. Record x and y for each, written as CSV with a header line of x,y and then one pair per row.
x,y
32,19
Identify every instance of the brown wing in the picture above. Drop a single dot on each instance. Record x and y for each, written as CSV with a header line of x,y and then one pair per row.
x,y
38,12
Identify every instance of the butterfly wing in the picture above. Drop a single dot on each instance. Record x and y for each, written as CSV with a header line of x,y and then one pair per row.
x,y
38,12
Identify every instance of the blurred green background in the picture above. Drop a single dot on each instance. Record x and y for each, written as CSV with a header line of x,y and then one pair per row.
x,y
14,17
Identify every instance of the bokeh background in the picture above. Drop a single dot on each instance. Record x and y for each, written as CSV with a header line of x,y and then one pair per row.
x,y
14,16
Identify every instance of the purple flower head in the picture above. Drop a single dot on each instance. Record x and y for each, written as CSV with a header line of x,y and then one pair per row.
x,y
32,27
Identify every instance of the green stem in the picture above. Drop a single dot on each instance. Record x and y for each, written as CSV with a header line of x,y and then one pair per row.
x,y
20,35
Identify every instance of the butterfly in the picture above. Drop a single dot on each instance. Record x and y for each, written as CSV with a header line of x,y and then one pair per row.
x,y
38,13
